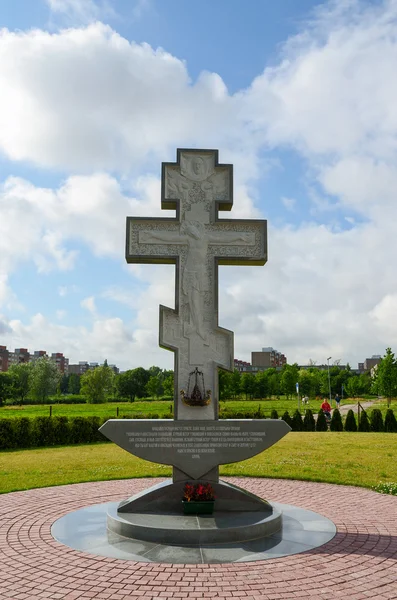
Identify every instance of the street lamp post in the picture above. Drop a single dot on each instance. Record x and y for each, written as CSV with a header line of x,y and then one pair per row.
x,y
329,381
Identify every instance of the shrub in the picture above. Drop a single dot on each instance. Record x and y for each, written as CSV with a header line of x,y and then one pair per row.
x,y
7,438
336,421
23,433
258,414
390,421
376,420
363,424
350,423
309,424
274,414
61,430
297,423
43,431
80,430
287,418
321,423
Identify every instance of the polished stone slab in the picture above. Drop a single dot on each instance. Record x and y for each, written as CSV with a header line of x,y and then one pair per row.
x,y
86,530
174,528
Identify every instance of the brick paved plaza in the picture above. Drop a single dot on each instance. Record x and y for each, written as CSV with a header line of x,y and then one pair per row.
x,y
359,563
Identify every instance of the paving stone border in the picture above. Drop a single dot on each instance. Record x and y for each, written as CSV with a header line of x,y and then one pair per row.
x,y
360,562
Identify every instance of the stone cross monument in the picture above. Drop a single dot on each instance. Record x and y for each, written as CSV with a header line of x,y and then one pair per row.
x,y
196,240
197,187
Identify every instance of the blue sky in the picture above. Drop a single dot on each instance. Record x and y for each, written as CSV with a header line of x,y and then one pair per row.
x,y
298,95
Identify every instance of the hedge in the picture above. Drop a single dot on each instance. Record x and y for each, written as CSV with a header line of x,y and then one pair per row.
x,y
62,431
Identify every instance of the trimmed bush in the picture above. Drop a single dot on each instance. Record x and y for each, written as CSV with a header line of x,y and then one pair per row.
x,y
376,420
309,424
286,417
297,423
363,424
80,430
274,414
43,431
7,438
23,432
390,422
61,430
350,423
336,421
321,423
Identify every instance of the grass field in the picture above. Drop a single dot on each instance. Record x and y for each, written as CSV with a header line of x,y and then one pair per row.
x,y
363,459
109,409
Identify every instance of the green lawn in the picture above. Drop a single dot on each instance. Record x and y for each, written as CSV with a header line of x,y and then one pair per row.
x,y
108,409
161,408
363,459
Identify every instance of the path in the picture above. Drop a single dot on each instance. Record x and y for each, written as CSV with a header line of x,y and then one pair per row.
x,y
346,407
359,563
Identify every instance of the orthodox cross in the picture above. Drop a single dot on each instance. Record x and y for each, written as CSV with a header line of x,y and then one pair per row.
x,y
197,187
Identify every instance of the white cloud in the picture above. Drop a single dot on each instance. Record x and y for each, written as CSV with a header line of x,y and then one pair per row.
x,y
289,203
83,11
88,99
89,304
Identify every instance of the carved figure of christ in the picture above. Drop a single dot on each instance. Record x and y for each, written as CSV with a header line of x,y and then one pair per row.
x,y
196,241
195,276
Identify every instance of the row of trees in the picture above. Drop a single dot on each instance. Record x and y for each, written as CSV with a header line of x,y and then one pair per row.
x,y
41,379
312,382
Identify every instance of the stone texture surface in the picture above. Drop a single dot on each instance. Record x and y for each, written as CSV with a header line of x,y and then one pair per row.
x,y
360,562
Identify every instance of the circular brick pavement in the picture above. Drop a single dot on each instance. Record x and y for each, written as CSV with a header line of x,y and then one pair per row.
x,y
360,562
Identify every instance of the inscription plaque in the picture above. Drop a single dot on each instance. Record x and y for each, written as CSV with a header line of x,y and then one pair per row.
x,y
194,447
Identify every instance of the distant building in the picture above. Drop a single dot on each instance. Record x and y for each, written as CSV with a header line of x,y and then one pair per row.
x,y
370,363
268,358
19,356
242,365
61,362
37,354
4,358
79,368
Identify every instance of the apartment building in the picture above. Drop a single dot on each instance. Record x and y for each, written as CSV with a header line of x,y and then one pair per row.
x,y
268,358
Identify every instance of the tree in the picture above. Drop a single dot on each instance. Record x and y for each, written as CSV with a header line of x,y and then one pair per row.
x,y
363,424
350,423
236,383
21,380
64,384
386,375
247,384
168,385
336,421
390,422
376,420
132,383
97,384
154,386
297,423
6,384
309,424
287,418
74,384
289,378
261,385
321,423
44,379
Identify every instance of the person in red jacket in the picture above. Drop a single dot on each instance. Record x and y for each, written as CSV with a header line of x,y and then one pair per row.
x,y
326,407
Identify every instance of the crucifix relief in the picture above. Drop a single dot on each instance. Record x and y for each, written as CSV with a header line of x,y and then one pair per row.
x,y
197,187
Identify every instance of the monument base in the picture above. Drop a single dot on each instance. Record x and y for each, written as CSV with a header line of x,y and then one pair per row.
x,y
167,497
156,515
